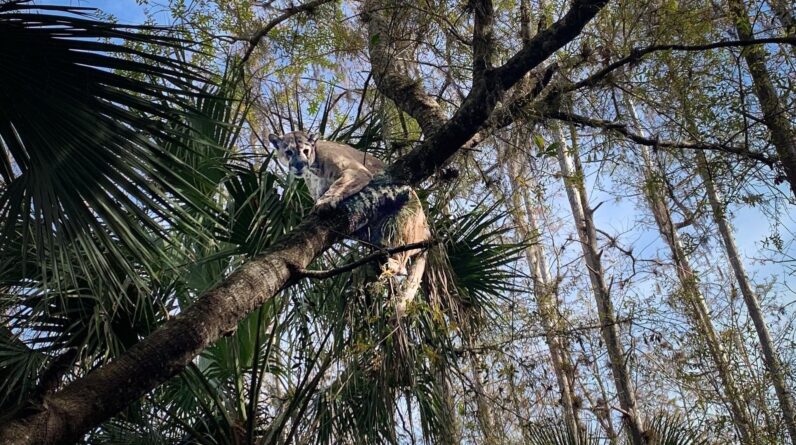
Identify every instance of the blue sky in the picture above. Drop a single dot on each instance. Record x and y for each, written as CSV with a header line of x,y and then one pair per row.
x,y
126,11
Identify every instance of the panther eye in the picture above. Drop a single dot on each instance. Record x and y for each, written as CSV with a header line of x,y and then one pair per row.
x,y
288,153
306,152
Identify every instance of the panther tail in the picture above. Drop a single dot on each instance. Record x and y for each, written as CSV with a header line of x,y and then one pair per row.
x,y
408,226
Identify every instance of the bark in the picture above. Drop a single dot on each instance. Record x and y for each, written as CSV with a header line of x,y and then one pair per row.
x,y
544,289
697,308
775,116
587,234
88,401
770,355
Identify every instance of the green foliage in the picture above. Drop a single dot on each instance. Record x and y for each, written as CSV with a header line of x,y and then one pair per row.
x,y
84,121
476,261
129,169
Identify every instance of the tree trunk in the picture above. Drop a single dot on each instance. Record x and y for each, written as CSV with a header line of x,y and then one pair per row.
x,y
482,409
582,214
775,116
699,313
770,355
544,289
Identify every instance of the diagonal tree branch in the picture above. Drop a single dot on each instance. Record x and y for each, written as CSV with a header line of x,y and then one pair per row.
x,y
68,414
548,41
485,94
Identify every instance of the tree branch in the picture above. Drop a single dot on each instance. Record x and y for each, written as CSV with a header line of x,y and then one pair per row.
x,y
376,256
85,403
483,37
407,93
548,40
289,12
637,53
463,128
622,129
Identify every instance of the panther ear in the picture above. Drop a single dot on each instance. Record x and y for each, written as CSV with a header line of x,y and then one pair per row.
x,y
312,138
275,140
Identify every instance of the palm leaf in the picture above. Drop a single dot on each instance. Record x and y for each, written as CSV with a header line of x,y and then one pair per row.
x,y
672,430
83,116
471,270
552,432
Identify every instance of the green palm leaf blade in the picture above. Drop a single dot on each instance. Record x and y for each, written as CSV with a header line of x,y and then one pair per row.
x,y
473,263
84,117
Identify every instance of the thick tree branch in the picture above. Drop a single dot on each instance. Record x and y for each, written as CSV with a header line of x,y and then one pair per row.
x,y
547,41
289,12
623,129
463,128
68,414
407,93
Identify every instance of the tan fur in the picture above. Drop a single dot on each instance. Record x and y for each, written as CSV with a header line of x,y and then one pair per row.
x,y
334,172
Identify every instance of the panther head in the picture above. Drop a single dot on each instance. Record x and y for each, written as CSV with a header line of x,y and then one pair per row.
x,y
296,149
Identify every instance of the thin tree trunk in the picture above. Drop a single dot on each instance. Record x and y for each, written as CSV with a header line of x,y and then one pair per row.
x,y
544,291
775,116
482,411
584,223
699,313
770,355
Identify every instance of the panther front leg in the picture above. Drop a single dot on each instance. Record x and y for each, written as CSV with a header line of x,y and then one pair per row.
x,y
349,183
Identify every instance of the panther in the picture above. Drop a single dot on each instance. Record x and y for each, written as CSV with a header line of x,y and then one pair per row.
x,y
334,172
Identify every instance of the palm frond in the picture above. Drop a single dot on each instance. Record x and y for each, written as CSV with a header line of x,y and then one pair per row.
x,y
83,118
471,269
673,430
552,432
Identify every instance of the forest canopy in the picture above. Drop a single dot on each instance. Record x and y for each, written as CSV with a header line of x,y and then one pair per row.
x,y
610,188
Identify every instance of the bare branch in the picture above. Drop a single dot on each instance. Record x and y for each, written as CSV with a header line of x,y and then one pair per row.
x,y
289,12
622,129
637,53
